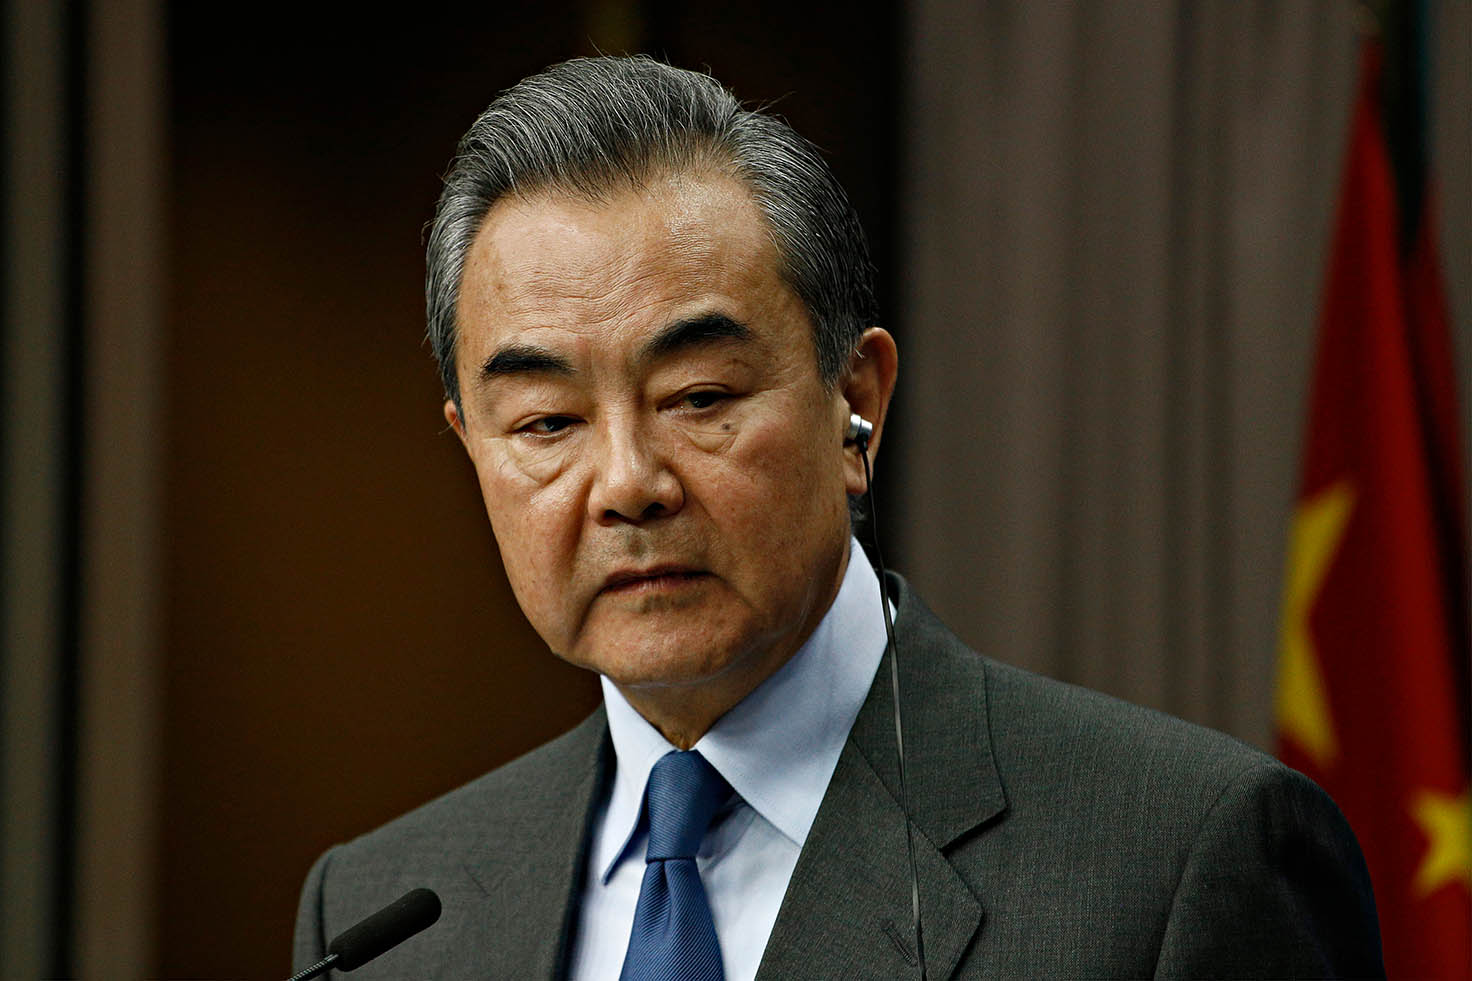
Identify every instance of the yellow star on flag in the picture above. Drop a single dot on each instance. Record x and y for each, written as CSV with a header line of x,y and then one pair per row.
x,y
1302,705
1446,820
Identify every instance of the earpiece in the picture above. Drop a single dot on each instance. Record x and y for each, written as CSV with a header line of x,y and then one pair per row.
x,y
859,431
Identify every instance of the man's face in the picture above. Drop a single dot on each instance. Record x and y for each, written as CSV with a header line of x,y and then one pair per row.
x,y
662,465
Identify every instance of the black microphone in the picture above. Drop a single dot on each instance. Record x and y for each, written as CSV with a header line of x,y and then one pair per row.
x,y
379,933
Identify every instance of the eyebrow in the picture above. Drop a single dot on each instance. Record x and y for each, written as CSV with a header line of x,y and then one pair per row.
x,y
682,335
524,359
693,332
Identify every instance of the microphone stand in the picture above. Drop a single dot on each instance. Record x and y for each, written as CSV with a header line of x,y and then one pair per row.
x,y
321,967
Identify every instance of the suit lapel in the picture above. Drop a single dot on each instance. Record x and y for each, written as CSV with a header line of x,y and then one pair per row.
x,y
847,909
532,879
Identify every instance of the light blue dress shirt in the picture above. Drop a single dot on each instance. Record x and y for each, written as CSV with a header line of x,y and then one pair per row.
x,y
777,749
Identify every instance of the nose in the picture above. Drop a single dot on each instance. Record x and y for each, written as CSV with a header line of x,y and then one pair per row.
x,y
632,480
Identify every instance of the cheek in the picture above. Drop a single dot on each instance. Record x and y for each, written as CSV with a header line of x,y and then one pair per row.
x,y
781,485
525,485
536,528
793,453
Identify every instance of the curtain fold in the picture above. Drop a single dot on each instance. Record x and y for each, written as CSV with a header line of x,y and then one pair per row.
x,y
1116,218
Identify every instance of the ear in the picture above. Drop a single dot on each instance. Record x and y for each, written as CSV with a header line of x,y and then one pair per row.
x,y
867,389
452,416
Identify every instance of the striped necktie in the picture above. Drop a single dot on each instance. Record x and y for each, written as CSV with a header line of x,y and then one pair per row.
x,y
674,937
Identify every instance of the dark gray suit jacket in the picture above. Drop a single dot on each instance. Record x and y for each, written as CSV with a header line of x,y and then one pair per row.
x,y
1058,833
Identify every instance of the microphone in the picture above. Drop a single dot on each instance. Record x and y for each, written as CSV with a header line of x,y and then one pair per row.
x,y
379,933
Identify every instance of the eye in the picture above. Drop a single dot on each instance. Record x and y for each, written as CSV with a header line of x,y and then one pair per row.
x,y
704,400
547,425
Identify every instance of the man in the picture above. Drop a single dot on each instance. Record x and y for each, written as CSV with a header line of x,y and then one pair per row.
x,y
654,321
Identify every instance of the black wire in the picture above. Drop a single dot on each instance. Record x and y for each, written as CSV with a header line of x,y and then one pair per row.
x,y
894,682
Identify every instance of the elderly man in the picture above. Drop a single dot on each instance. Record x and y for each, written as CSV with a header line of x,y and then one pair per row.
x,y
655,324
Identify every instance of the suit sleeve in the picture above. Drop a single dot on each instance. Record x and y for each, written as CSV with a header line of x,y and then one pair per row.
x,y
1274,886
309,945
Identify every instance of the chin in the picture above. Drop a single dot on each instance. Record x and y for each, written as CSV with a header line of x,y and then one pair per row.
x,y
671,663
684,671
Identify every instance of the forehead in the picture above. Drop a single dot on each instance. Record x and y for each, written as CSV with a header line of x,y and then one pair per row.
x,y
679,246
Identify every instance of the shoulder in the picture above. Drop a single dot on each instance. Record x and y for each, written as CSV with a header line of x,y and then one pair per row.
x,y
1130,841
481,843
1064,735
1048,737
1070,756
1175,849
1137,786
516,795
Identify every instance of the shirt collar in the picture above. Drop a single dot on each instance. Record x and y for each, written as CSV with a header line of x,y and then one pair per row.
x,y
779,746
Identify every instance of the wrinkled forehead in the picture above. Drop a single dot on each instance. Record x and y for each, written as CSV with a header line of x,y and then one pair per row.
x,y
678,247
679,234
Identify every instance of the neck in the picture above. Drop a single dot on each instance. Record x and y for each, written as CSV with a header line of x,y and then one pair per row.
x,y
684,713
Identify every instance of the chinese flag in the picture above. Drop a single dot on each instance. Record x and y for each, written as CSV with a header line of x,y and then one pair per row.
x,y
1372,699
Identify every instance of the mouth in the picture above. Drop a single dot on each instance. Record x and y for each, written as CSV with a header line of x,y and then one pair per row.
x,y
654,579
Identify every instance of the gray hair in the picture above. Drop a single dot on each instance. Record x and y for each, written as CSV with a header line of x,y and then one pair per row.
x,y
591,126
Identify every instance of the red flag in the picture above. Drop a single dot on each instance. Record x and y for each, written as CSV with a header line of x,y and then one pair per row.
x,y
1373,672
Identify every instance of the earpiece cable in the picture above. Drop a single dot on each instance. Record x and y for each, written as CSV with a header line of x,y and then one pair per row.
x,y
894,681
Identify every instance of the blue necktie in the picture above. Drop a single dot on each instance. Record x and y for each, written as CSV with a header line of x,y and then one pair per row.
x,y
674,938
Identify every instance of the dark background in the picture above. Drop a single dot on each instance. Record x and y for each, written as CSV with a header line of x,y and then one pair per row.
x,y
326,663
249,605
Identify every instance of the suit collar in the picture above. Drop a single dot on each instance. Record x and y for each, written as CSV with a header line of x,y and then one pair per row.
x,y
847,912
950,771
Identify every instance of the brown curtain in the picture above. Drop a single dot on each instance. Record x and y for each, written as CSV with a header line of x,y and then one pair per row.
x,y
1115,228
